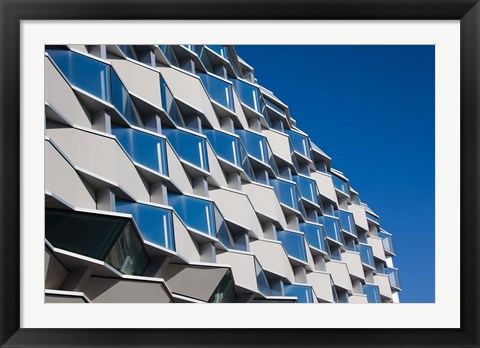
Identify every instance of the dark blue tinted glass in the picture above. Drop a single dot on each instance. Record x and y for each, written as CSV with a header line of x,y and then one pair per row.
x,y
340,184
249,94
170,105
307,188
332,228
83,72
169,54
275,107
303,293
221,50
262,281
223,234
218,90
128,255
387,242
188,146
155,224
372,292
366,254
346,221
393,276
315,235
294,244
300,142
146,149
226,146
195,212
372,217
92,235
128,51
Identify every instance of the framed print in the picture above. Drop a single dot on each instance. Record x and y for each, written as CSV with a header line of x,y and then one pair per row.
x,y
250,174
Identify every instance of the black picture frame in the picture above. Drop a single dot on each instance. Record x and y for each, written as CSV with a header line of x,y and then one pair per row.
x,y
14,11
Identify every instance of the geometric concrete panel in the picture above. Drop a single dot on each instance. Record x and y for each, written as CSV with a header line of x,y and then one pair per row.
x,y
325,186
190,90
59,94
62,179
265,202
273,258
279,143
359,299
55,272
243,269
236,208
53,298
193,281
180,179
340,274
377,246
139,80
185,246
359,216
321,283
111,290
354,264
216,172
383,283
110,162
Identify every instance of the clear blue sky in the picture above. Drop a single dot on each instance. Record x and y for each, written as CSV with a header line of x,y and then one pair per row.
x,y
371,109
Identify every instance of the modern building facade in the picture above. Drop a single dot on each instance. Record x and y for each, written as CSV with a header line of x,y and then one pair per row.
x,y
171,175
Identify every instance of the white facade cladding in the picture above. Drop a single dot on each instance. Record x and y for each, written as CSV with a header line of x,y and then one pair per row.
x,y
173,176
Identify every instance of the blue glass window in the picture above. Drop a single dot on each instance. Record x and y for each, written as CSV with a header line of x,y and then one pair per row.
x,y
307,188
372,292
340,184
288,194
168,52
346,221
393,276
219,90
189,147
249,94
195,212
128,51
387,242
366,254
128,255
221,50
362,237
96,78
170,105
300,142
83,72
103,237
155,224
294,244
143,148
257,147
380,267
262,281
372,217
303,293
223,234
332,228
229,148
275,107
321,166
315,236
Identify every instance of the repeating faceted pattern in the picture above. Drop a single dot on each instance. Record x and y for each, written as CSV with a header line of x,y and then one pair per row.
x,y
173,176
